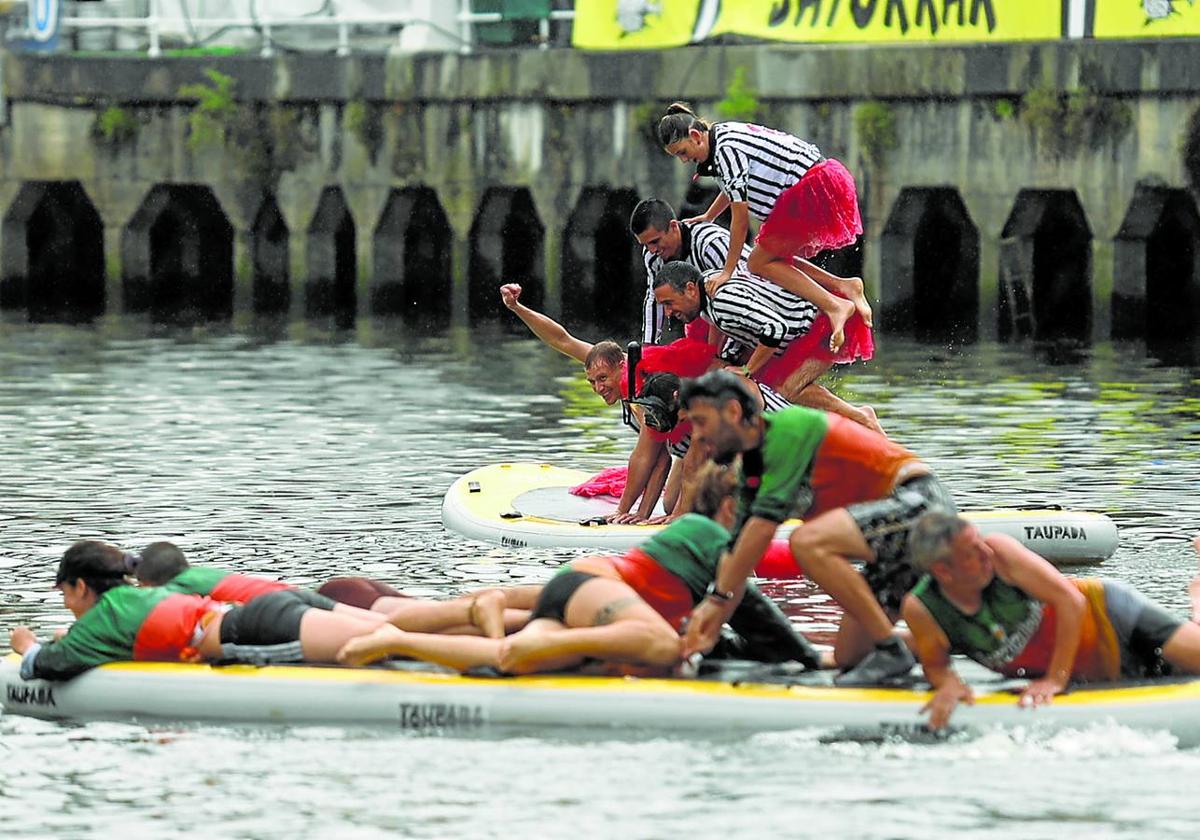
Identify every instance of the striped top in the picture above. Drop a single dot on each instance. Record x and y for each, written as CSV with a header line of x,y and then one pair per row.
x,y
755,164
751,311
703,244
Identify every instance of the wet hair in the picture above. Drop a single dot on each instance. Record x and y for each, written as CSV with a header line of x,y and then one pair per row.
x,y
715,484
677,274
659,399
677,122
719,387
604,352
161,563
651,213
930,539
100,565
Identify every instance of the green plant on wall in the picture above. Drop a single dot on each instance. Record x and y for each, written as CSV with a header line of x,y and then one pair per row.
x,y
741,100
1064,122
214,111
1191,150
261,141
875,125
114,126
1004,109
365,123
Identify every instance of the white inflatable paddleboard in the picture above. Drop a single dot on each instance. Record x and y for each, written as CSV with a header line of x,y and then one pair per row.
x,y
740,698
526,504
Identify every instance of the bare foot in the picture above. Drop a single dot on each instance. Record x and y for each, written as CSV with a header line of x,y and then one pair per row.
x,y
852,288
872,419
371,646
487,613
837,319
527,653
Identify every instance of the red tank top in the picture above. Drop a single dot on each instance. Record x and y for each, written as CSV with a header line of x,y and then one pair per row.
x,y
241,588
853,464
168,629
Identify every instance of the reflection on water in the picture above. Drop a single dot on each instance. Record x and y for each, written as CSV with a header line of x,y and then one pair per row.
x,y
305,453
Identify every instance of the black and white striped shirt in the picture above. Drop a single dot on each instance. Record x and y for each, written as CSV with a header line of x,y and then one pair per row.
x,y
755,164
751,311
705,245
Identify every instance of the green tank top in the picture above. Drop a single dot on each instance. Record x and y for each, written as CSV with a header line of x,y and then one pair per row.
x,y
994,636
690,548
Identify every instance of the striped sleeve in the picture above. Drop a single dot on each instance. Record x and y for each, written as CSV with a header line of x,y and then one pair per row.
x,y
734,169
710,247
652,312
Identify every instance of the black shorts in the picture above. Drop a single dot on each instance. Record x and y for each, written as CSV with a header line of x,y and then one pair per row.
x,y
886,524
552,601
1142,628
267,629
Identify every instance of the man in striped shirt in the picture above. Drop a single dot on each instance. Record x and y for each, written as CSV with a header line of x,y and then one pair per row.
x,y
766,321
664,239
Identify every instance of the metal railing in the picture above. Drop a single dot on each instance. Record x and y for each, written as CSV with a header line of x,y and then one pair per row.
x,y
261,22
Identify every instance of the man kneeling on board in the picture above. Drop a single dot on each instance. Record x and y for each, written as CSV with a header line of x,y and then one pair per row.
x,y
625,609
116,621
1010,610
488,612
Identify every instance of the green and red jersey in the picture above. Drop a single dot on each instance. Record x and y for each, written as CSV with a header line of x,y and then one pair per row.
x,y
811,462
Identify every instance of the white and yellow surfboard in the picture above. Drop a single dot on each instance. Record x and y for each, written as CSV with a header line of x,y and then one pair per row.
x,y
527,504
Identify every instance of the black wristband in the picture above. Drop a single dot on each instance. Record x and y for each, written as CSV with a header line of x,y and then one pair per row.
x,y
718,595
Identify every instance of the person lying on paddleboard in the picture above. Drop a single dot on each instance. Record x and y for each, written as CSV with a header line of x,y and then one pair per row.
x,y
995,601
625,609
116,621
484,612
859,494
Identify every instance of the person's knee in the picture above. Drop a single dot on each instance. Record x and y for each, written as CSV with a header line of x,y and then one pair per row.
x,y
663,645
808,546
758,259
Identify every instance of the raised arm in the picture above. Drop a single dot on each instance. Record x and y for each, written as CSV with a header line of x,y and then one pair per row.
x,y
544,327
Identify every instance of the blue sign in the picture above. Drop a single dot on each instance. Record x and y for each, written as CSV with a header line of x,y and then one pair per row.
x,y
43,23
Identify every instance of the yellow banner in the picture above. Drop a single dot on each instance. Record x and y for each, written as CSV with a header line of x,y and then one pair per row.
x,y
651,24
895,21
635,24
1146,18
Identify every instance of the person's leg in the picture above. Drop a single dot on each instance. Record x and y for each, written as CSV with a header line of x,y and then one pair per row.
x,y
605,619
324,632
848,287
823,547
458,652
1182,650
484,610
821,398
783,272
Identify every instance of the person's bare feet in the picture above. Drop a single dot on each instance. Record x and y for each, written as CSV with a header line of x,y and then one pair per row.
x,y
855,291
526,653
371,646
872,419
841,313
487,613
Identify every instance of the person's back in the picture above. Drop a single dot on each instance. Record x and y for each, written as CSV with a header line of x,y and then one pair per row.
x,y
164,564
127,622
